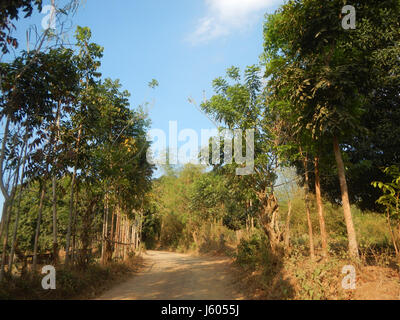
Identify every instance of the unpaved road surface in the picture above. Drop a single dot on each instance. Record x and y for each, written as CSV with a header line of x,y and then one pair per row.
x,y
175,276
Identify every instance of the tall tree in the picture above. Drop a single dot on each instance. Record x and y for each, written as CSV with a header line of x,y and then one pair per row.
x,y
88,63
312,65
239,104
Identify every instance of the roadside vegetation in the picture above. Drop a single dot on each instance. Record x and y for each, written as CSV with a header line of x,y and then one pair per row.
x,y
179,225
73,169
324,107
72,283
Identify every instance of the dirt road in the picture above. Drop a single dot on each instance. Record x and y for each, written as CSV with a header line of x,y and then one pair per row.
x,y
174,276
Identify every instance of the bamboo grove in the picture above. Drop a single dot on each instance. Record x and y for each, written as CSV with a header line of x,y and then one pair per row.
x,y
74,174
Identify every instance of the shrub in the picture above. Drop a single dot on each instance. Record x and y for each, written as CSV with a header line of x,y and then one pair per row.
x,y
254,253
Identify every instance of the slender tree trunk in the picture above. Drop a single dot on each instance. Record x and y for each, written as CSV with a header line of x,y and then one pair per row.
x,y
121,239
132,245
75,214
124,238
353,246
117,227
287,231
55,242
2,157
3,188
112,234
324,238
5,240
103,238
15,231
8,215
134,236
71,202
3,217
140,227
105,230
307,202
128,237
137,235
391,232
86,232
37,232
54,187
16,223
70,220
121,236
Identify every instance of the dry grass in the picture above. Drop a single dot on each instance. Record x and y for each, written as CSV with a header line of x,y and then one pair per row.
x,y
301,279
72,284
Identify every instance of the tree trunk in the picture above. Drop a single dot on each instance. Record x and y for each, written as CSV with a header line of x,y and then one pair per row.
x,y
86,233
324,238
6,215
3,215
71,202
391,233
70,220
133,248
112,235
16,223
140,229
110,240
105,231
353,247
121,236
127,237
55,243
307,203
2,157
54,188
7,220
268,219
287,228
134,236
125,241
3,188
117,227
75,214
15,231
37,232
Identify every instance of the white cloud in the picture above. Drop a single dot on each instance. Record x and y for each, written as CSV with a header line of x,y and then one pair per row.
x,y
226,16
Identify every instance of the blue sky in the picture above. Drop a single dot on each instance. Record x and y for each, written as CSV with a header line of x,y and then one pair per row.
x,y
157,39
184,44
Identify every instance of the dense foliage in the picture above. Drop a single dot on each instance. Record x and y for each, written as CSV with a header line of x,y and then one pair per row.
x,y
74,154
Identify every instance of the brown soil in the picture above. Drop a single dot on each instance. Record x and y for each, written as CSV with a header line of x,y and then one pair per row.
x,y
176,276
378,283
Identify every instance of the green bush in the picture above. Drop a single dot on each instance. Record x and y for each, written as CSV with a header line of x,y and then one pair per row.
x,y
254,253
171,231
